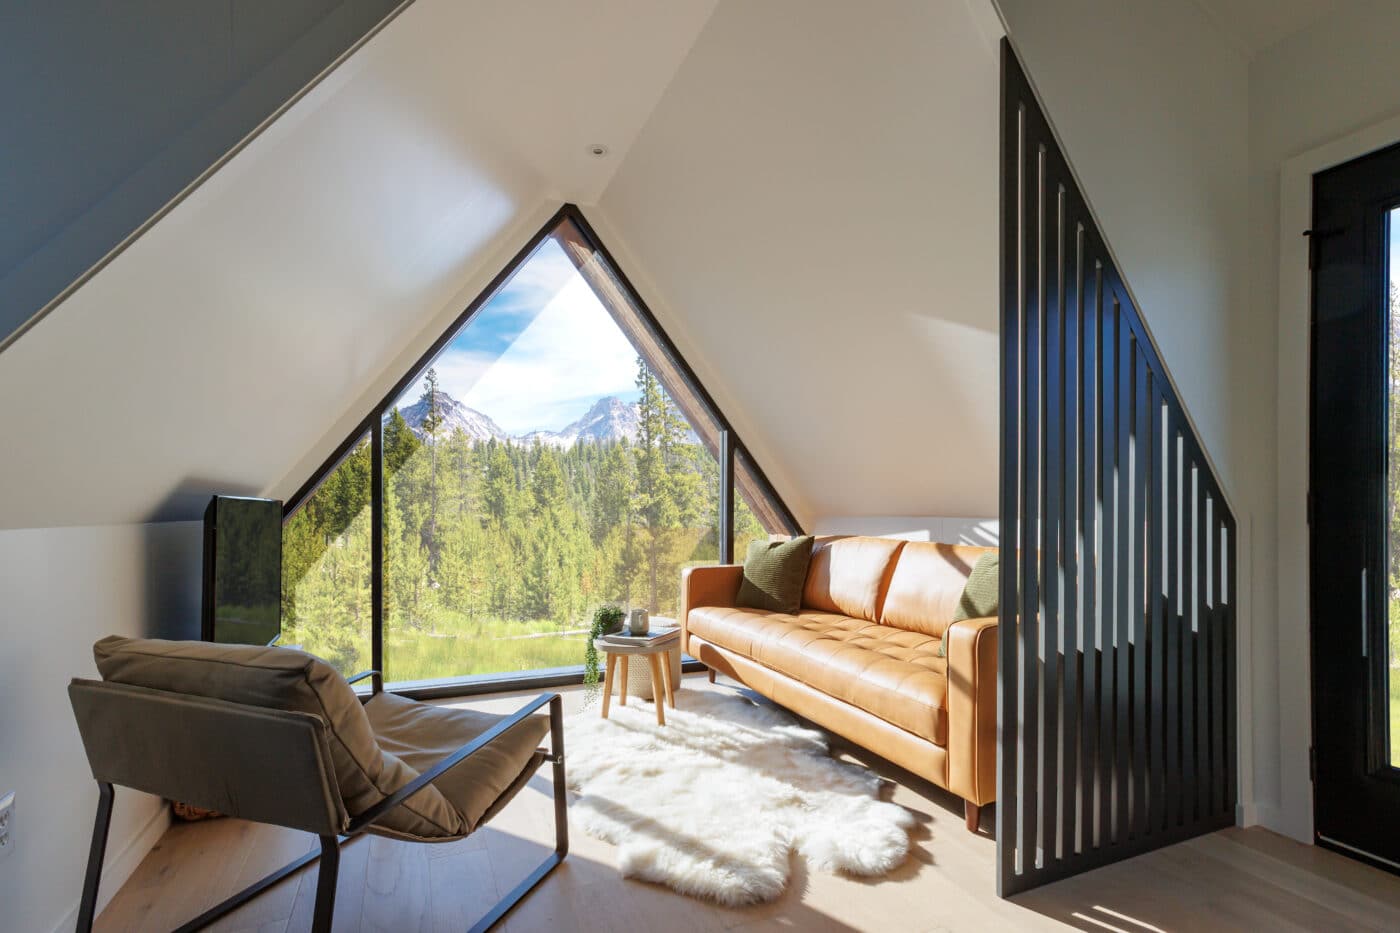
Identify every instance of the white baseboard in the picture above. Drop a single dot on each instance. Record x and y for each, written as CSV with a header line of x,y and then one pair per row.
x,y
1271,817
117,868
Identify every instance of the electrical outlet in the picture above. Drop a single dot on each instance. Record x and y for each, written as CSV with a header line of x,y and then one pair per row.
x,y
7,824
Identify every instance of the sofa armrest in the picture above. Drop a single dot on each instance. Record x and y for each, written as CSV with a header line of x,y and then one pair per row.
x,y
971,647
714,585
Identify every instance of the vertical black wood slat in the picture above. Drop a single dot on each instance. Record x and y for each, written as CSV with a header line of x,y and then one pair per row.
x,y
1052,405
1230,555
1071,543
1142,536
1030,519
1117,622
1008,623
1203,642
1108,566
1188,640
1090,332
1218,768
1036,700
1172,464
1123,538
1156,532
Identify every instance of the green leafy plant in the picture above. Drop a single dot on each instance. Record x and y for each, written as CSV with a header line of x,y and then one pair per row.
x,y
606,619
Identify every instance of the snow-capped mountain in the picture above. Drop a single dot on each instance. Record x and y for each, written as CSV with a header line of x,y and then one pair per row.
x,y
476,425
609,419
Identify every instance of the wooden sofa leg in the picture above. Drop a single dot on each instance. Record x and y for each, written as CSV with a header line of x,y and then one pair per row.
x,y
973,813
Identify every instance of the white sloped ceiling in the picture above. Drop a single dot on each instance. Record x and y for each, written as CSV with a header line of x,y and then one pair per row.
x,y
220,351
812,209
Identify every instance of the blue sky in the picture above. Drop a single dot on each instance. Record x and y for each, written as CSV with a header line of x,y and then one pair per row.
x,y
539,353
1395,246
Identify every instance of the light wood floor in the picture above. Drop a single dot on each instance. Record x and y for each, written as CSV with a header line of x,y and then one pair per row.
x,y
1233,880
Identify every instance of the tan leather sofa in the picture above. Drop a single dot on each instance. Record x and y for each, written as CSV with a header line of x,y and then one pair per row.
x,y
861,657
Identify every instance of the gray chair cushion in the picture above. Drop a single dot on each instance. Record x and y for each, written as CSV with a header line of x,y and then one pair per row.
x,y
421,735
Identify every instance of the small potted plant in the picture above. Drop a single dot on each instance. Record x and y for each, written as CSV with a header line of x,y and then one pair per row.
x,y
606,621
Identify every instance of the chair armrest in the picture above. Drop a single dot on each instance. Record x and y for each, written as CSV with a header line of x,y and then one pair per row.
x,y
465,752
971,647
375,688
713,585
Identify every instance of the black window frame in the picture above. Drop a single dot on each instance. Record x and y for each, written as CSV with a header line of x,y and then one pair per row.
x,y
726,447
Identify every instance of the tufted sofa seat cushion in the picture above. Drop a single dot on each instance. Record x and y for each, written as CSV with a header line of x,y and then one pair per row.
x,y
889,672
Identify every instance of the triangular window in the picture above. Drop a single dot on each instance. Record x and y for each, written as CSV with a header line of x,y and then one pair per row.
x,y
552,453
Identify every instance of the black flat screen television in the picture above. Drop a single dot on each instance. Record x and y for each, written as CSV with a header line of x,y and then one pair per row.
x,y
242,570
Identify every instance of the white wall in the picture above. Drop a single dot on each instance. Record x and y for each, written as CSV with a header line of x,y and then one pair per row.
x,y
1151,105
811,212
60,591
1322,85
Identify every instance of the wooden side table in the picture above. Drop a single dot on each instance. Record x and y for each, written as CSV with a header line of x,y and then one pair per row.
x,y
658,657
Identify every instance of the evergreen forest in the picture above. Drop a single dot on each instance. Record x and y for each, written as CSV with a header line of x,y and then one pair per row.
x,y
497,552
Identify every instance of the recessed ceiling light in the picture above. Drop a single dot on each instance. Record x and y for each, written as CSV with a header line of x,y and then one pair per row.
x,y
597,150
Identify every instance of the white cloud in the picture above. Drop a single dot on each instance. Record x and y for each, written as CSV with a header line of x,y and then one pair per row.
x,y
570,356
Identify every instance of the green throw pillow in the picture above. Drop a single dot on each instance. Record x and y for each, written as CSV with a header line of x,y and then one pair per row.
x,y
981,595
774,573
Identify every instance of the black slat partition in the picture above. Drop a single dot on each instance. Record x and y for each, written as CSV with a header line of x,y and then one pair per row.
x,y
1117,699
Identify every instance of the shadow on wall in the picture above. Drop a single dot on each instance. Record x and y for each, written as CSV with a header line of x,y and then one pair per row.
x,y
188,500
173,567
982,532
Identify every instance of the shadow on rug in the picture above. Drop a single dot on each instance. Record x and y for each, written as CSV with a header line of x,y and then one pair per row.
x,y
714,803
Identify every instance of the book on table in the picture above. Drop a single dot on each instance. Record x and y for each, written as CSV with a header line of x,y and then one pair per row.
x,y
658,635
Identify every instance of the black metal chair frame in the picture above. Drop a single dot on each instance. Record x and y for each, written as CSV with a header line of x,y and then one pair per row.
x,y
329,853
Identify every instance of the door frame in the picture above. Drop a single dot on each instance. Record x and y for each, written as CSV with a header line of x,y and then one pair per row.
x,y
1292,812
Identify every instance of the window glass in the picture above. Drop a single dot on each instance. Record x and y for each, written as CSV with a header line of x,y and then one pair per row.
x,y
537,469
326,567
757,514
1393,482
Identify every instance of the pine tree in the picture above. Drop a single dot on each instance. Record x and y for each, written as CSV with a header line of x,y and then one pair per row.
x,y
432,414
664,493
432,424
400,443
499,493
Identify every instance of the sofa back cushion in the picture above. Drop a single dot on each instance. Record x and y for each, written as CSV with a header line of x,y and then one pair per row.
x,y
285,679
849,575
927,585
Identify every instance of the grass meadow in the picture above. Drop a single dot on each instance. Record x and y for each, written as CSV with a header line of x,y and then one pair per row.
x,y
457,645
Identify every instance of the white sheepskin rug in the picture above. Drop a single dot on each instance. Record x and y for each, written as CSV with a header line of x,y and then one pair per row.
x,y
714,803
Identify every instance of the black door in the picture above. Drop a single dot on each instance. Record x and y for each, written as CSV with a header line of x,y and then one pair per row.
x,y
1355,486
